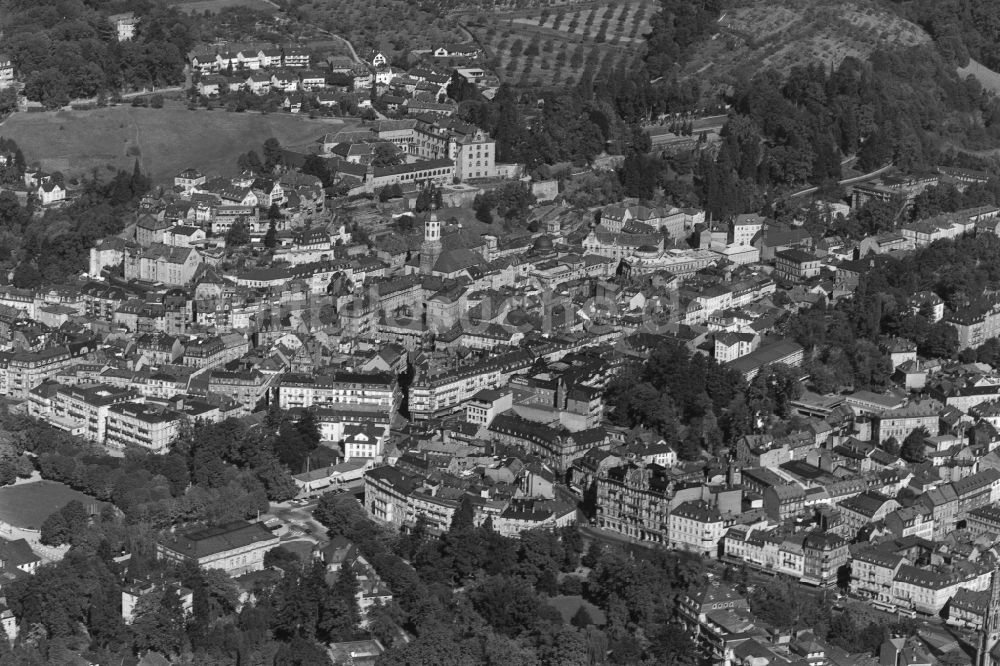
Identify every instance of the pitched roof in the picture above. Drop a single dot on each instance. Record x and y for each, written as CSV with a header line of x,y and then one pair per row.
x,y
206,541
458,259
16,553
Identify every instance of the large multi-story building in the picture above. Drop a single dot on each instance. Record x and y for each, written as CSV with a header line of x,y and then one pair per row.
x,y
927,591
6,71
864,509
892,190
437,172
485,405
83,410
364,441
248,388
814,558
22,371
795,264
124,25
784,351
236,547
558,447
634,501
445,392
745,227
983,520
400,498
825,553
696,527
474,154
873,572
215,350
136,425
339,388
397,498
677,222
162,263
784,501
975,324
891,578
899,423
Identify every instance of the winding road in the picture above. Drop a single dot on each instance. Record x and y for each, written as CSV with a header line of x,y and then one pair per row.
x,y
847,181
347,42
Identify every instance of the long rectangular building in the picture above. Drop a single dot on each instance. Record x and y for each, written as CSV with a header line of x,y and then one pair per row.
x,y
237,547
784,351
339,388
436,395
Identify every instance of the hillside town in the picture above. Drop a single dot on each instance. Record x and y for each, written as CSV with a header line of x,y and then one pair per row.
x,y
479,374
450,366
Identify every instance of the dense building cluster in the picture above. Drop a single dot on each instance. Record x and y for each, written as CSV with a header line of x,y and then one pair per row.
x,y
493,374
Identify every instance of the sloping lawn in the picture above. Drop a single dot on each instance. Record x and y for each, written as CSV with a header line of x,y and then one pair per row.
x,y
166,141
29,504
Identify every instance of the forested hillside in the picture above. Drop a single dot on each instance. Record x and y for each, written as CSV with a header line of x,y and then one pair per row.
x,y
68,49
961,28
788,128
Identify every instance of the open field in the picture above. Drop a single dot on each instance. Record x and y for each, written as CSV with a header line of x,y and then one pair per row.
x,y
780,34
29,504
201,6
558,45
165,141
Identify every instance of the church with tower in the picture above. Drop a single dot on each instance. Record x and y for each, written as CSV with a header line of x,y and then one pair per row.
x,y
990,636
448,255
430,249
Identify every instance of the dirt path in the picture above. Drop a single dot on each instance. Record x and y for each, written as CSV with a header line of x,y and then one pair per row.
x,y
347,43
138,143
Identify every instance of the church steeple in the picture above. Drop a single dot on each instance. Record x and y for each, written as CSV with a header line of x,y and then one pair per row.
x,y
991,621
430,249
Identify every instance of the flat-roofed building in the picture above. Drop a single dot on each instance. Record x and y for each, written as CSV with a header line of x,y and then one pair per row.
x,y
136,425
83,410
485,405
784,351
349,388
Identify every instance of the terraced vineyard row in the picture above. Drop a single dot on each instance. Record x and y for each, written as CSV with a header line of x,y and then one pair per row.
x,y
561,46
